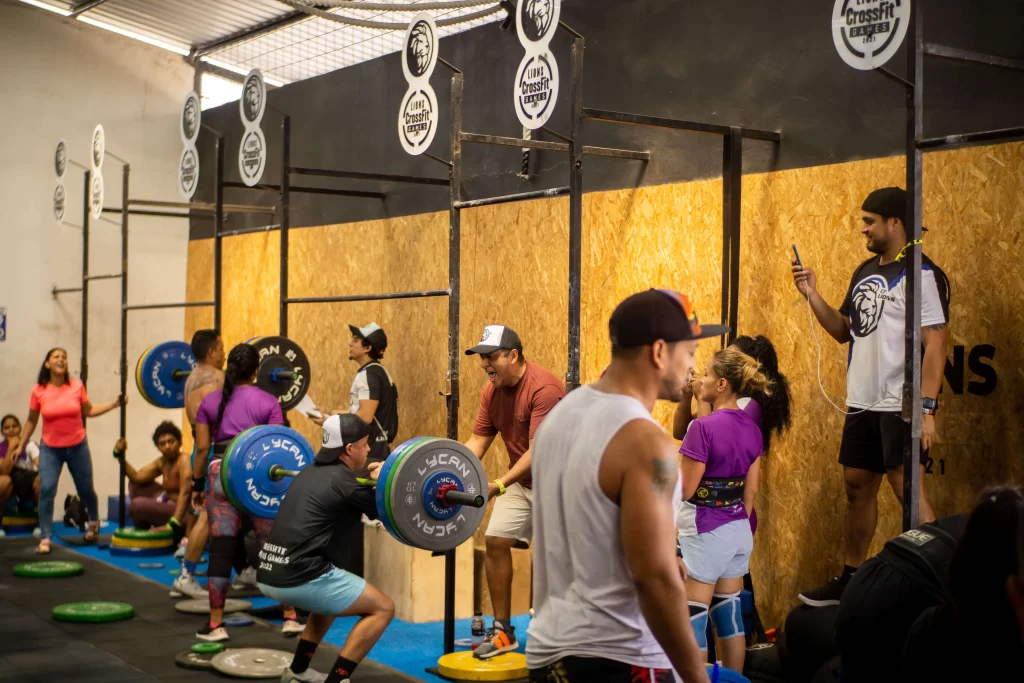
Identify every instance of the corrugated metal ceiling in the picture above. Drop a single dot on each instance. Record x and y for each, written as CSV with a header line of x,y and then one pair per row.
x,y
299,49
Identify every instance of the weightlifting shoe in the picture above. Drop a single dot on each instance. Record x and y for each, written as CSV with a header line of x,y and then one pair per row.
x,y
246,579
827,595
186,584
307,676
212,634
497,641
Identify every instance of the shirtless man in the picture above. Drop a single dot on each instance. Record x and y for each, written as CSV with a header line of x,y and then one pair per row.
x,y
207,377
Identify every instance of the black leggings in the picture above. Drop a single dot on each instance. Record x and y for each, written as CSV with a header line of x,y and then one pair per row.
x,y
598,670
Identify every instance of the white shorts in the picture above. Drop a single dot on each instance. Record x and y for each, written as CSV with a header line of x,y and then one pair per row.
x,y
722,553
512,516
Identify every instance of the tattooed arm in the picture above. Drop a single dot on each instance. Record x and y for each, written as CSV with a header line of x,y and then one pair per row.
x,y
639,472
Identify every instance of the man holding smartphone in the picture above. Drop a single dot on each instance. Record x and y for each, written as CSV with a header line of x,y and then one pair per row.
x,y
872,320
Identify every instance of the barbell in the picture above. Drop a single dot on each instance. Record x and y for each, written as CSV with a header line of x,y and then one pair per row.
x,y
163,369
430,493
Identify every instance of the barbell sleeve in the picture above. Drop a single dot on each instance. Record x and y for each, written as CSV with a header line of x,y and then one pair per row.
x,y
277,472
180,374
460,498
283,375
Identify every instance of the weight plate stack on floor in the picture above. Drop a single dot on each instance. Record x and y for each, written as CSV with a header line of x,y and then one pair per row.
x,y
238,621
141,552
117,542
195,661
252,663
131,533
463,666
202,606
48,569
93,612
208,648
19,521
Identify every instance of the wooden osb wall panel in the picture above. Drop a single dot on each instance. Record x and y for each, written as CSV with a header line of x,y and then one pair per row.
x,y
402,254
667,236
198,287
974,207
515,272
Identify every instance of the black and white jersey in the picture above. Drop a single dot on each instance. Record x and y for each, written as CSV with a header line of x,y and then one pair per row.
x,y
373,383
876,306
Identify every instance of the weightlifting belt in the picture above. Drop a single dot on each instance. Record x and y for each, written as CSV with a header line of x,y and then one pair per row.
x,y
714,492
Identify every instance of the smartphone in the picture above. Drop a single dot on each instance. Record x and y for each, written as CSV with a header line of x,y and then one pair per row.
x,y
796,255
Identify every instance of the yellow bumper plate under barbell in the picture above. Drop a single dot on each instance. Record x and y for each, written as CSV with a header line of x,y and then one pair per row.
x,y
141,542
463,666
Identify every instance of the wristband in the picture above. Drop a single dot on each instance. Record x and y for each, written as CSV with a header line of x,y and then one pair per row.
x,y
118,454
501,487
173,521
199,485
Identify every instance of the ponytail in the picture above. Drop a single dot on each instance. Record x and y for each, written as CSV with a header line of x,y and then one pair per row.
x,y
775,407
743,373
243,361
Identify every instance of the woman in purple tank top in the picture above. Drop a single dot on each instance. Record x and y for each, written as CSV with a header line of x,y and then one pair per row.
x,y
721,463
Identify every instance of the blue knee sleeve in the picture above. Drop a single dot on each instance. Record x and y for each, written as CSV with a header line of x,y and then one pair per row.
x,y
727,615
699,619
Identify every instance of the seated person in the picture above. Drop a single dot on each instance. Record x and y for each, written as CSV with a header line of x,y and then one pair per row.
x,y
153,504
21,477
299,561
975,635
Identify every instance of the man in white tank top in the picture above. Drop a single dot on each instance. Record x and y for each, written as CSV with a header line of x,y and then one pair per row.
x,y
609,599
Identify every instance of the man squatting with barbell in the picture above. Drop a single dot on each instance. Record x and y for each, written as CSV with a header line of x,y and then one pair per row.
x,y
299,563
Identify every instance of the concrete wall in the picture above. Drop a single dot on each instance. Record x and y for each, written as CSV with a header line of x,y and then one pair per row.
x,y
58,79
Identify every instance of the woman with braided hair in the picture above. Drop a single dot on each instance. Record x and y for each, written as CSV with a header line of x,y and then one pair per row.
x,y
223,415
721,463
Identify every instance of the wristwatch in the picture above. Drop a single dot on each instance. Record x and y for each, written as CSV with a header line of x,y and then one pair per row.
x,y
929,406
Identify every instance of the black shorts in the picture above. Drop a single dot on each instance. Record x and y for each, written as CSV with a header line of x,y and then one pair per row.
x,y
23,480
598,670
873,441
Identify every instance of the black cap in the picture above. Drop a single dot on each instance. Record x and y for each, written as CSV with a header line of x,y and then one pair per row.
x,y
890,202
646,317
339,431
372,334
497,337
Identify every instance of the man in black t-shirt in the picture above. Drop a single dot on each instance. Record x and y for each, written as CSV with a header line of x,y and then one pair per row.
x,y
872,320
316,523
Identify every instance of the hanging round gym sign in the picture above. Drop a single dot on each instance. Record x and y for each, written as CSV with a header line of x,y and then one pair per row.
x,y
867,33
98,147
188,165
536,86
252,153
418,114
60,167
96,195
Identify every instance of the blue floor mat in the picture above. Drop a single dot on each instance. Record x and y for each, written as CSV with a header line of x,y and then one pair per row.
x,y
409,648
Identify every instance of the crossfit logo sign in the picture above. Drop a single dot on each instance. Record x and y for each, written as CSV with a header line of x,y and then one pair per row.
x,y
536,86
252,153
96,195
60,167
417,116
188,165
58,203
60,159
99,147
867,33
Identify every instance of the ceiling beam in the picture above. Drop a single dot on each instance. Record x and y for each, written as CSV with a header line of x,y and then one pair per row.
x,y
199,51
85,7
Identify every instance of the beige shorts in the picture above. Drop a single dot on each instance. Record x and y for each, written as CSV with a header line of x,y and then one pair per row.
x,y
512,516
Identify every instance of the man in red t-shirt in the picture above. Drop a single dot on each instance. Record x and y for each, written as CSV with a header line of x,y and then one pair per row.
x,y
514,402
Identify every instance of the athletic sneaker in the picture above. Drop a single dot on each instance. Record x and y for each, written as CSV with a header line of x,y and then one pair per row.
x,y
212,634
290,627
307,676
829,594
496,641
186,584
246,579
180,552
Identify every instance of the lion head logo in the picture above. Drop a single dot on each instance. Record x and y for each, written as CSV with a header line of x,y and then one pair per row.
x,y
535,17
868,303
420,48
253,98
189,117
